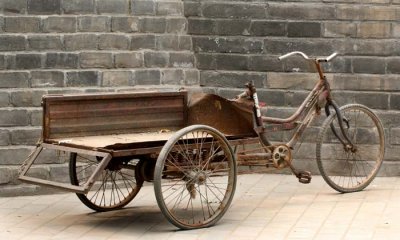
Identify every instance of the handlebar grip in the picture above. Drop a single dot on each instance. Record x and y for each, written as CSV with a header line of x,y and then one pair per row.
x,y
332,56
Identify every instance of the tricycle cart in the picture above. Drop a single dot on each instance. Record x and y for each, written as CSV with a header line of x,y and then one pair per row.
x,y
187,146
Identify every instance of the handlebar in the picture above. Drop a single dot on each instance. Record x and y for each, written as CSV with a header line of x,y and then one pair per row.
x,y
321,59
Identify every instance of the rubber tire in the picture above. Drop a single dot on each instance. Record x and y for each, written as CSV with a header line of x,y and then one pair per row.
x,y
320,139
159,174
85,200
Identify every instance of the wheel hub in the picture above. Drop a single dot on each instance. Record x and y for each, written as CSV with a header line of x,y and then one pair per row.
x,y
198,177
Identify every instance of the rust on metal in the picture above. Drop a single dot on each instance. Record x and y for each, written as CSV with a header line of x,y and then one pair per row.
x,y
231,117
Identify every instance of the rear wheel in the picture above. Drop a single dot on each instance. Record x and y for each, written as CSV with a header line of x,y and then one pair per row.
x,y
195,177
346,168
115,187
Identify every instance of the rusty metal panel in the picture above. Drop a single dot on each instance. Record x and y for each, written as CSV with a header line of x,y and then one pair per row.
x,y
102,114
231,117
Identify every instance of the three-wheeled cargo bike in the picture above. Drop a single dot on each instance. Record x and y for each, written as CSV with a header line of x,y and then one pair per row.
x,y
186,144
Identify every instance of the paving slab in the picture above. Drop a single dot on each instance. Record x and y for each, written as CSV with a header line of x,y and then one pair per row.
x,y
265,206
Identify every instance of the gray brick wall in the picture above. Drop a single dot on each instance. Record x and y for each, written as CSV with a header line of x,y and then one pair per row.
x,y
237,41
59,46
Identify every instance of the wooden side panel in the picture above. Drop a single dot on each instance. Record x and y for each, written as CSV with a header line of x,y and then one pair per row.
x,y
92,115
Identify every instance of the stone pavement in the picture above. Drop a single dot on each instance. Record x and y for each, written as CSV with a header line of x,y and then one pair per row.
x,y
266,206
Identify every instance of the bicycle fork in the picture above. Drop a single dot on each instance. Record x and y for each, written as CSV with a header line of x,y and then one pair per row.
x,y
347,143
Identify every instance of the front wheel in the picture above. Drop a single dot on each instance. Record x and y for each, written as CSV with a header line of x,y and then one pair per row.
x,y
350,169
195,177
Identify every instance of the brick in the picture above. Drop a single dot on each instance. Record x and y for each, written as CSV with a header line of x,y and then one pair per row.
x,y
36,117
13,6
292,81
369,65
95,60
222,10
125,24
59,24
295,98
267,28
365,12
28,61
22,24
389,82
227,45
393,65
28,136
10,61
340,29
27,98
169,8
59,173
45,42
147,77
117,78
3,61
310,47
143,42
358,82
152,25
14,79
14,155
143,8
301,11
80,41
192,77
374,30
129,60
82,79
181,60
297,64
304,29
231,62
206,61
265,63
232,27
114,7
395,101
395,136
177,25
4,99
382,47
44,7
156,59
231,79
185,43
172,76
13,117
167,42
373,100
94,24
340,64
271,97
12,43
47,79
4,137
112,41
192,9
78,6
62,60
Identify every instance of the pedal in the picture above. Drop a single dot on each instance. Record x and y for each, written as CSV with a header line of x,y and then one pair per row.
x,y
304,177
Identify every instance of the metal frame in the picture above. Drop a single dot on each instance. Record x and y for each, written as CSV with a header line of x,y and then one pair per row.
x,y
106,157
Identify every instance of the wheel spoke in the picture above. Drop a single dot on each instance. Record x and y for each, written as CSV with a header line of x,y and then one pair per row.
x,y
361,161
